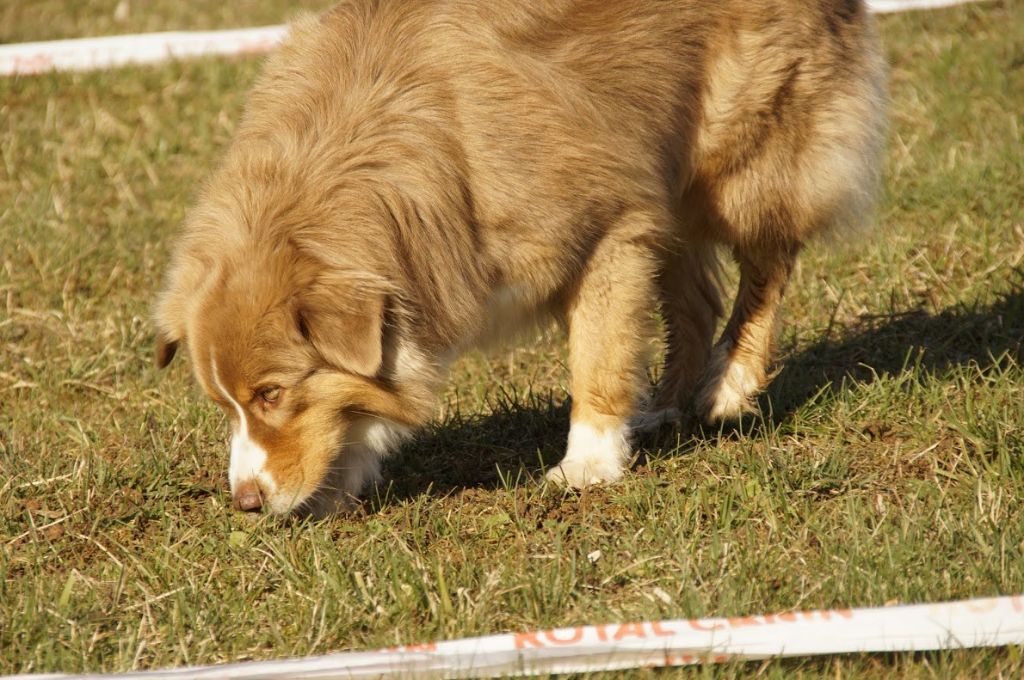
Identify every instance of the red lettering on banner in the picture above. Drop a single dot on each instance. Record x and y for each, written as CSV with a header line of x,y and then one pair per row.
x,y
982,606
788,617
659,631
575,635
1018,603
602,632
828,614
425,647
257,47
630,630
697,624
524,640
740,621
36,63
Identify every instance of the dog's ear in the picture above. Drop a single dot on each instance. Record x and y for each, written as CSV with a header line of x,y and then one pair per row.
x,y
170,330
165,350
345,327
187,280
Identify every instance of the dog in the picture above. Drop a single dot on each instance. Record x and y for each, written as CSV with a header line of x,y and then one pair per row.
x,y
414,178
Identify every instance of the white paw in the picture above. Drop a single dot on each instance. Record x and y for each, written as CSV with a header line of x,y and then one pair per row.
x,y
577,474
730,393
651,421
592,457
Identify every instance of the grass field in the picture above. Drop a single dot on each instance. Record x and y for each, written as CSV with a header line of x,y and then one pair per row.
x,y
888,465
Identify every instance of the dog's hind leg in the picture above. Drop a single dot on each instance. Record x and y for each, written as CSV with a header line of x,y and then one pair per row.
x,y
691,305
610,331
739,360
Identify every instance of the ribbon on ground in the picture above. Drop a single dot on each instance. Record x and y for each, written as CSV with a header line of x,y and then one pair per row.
x,y
987,622
84,54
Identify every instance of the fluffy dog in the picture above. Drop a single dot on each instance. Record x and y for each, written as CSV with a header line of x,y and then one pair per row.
x,y
412,178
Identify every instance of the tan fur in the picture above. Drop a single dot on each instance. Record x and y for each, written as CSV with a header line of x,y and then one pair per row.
x,y
407,170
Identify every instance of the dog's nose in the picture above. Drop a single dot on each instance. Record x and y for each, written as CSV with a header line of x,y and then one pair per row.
x,y
247,497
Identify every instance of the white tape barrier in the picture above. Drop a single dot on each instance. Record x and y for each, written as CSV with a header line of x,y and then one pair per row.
x,y
147,48
954,625
888,6
119,50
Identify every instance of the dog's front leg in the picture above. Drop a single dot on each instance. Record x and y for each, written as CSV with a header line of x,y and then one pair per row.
x,y
610,328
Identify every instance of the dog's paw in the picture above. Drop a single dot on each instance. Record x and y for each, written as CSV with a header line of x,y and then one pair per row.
x,y
578,474
593,456
730,392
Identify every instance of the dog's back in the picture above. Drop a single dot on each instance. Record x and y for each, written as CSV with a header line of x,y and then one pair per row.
x,y
758,120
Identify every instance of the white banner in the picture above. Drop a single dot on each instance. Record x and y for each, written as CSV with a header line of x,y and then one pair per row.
x,y
119,50
887,6
954,625
147,48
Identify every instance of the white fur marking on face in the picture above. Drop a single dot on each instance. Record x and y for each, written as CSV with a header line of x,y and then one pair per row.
x,y
592,456
247,457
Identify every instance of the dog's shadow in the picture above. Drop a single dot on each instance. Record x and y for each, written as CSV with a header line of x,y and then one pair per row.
x,y
521,436
888,344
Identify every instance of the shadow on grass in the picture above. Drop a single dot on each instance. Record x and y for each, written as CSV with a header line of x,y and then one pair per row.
x,y
888,344
522,436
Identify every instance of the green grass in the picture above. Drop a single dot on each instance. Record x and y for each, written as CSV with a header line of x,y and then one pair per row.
x,y
888,465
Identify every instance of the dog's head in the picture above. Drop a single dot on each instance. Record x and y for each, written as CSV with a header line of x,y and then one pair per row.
x,y
292,351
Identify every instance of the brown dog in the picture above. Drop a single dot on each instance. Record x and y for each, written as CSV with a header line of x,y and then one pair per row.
x,y
415,177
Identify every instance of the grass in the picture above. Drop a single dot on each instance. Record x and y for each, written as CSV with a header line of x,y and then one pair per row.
x,y
888,464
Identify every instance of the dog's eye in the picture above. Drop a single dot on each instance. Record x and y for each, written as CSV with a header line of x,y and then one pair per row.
x,y
269,395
